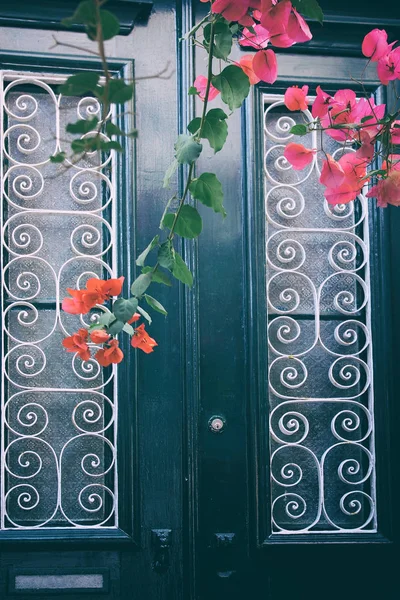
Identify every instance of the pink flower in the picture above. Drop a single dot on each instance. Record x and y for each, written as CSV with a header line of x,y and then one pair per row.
x,y
200,83
246,63
375,44
297,29
285,25
265,66
332,174
354,170
231,10
395,133
298,156
257,40
389,66
367,148
340,113
321,103
387,191
295,98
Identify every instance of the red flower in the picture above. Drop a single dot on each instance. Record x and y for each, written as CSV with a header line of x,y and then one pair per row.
x,y
142,340
246,64
97,291
74,305
109,355
133,319
99,336
77,343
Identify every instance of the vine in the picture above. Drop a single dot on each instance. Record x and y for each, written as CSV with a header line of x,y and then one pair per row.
x,y
372,131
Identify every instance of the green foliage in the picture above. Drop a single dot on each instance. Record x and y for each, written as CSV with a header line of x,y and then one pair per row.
x,y
58,158
142,257
83,125
105,319
158,276
192,91
86,14
208,190
115,327
124,309
90,144
81,83
119,91
187,150
144,314
299,129
233,84
181,271
222,39
155,304
215,128
166,255
309,8
141,283
187,225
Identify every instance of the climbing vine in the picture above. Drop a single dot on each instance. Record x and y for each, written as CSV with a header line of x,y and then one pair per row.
x,y
371,131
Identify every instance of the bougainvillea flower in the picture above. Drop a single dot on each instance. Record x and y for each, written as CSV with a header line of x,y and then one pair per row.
x,y
259,39
231,10
368,108
387,191
297,28
285,25
394,163
100,290
340,112
332,174
367,148
276,19
388,67
142,340
375,44
321,103
109,355
99,336
395,133
246,63
354,170
133,319
265,65
74,305
295,98
200,83
78,343
298,155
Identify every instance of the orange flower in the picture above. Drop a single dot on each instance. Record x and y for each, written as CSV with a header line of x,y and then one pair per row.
x,y
135,317
97,291
77,343
109,355
142,340
99,336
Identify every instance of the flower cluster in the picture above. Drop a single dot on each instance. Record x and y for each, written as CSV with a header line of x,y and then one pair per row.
x,y
358,124
97,292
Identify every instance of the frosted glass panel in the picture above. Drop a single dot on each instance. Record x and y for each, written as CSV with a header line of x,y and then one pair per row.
x,y
58,454
320,373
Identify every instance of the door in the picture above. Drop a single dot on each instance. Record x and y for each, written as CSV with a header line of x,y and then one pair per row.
x,y
252,454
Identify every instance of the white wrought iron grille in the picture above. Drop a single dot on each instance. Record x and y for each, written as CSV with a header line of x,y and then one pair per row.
x,y
59,414
320,359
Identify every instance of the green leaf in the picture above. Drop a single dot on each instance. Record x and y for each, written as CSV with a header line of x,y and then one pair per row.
x,y
115,327
299,129
90,144
105,319
58,158
144,314
310,9
166,255
155,304
109,24
81,83
119,91
170,172
158,276
128,329
233,84
124,309
112,129
141,283
83,125
215,129
192,91
85,14
187,150
142,257
181,272
222,39
208,190
188,224
367,118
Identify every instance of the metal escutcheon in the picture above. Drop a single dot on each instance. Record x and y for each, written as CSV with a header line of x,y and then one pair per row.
x,y
216,424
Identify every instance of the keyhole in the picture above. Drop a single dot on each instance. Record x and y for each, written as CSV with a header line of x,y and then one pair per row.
x,y
216,424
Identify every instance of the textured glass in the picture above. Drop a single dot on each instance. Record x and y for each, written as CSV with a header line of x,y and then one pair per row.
x,y
58,582
58,452
320,378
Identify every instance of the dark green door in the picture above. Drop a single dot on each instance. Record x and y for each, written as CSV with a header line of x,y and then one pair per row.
x,y
252,455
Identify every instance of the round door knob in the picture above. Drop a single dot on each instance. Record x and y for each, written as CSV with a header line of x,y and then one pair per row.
x,y
216,424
